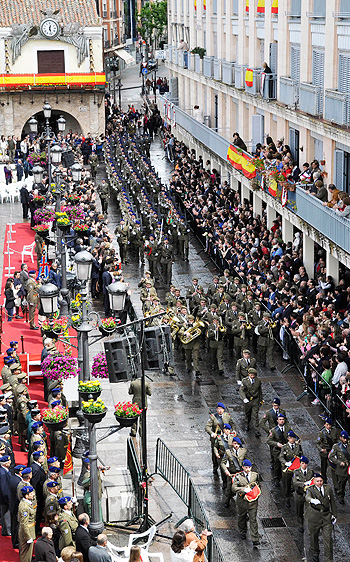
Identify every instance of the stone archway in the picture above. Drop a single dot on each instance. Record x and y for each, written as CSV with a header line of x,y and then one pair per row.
x,y
72,124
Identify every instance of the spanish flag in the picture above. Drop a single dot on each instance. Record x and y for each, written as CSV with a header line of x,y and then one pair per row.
x,y
68,461
205,4
273,187
195,5
247,6
241,161
249,77
261,7
274,7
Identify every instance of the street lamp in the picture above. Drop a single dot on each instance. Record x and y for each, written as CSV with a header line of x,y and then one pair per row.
x,y
56,154
117,295
47,110
48,294
76,172
38,173
61,123
83,261
33,125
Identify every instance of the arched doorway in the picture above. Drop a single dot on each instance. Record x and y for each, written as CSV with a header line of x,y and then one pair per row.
x,y
72,124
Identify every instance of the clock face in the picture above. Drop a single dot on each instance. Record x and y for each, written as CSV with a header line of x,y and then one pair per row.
x,y
49,28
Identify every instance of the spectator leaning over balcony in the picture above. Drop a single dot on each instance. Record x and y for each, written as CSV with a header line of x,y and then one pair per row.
x,y
305,174
333,191
183,46
321,193
343,207
237,141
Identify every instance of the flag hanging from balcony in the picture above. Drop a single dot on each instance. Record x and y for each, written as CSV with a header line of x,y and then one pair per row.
x,y
273,187
249,77
261,7
241,161
274,7
284,196
247,6
205,4
195,5
262,185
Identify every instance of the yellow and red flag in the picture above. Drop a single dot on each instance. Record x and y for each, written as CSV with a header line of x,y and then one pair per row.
x,y
68,461
205,4
241,161
261,7
195,5
247,6
274,7
273,187
249,77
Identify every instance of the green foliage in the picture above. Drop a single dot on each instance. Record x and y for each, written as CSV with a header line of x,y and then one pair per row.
x,y
199,51
152,20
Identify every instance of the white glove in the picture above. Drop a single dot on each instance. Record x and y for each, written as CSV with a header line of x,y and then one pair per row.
x,y
315,501
288,464
246,401
74,499
29,541
213,435
239,383
247,490
334,520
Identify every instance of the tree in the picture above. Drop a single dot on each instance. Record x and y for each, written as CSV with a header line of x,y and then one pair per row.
x,y
152,22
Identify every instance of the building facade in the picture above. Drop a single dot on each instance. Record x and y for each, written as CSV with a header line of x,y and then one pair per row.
x,y
305,100
51,51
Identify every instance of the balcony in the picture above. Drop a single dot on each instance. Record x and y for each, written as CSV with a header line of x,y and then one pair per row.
x,y
217,69
289,91
208,66
311,99
337,107
228,73
255,88
269,88
183,59
198,64
239,76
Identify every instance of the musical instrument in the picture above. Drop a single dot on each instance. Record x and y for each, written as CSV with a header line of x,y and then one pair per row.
x,y
222,328
254,493
192,333
247,324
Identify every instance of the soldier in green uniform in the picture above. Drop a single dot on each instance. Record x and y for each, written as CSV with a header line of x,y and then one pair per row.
x,y
243,364
232,463
51,506
215,426
255,316
22,409
136,391
339,456
320,514
53,476
14,346
103,191
5,371
287,454
276,439
191,348
230,319
184,239
93,161
251,394
302,478
243,483
67,523
26,520
152,254
265,341
32,298
61,440
215,335
221,445
194,294
137,242
240,334
122,233
327,436
270,419
166,260
213,287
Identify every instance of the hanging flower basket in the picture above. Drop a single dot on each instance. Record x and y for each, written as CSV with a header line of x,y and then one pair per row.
x,y
99,369
39,200
64,227
108,326
59,367
55,418
81,228
126,413
94,411
89,390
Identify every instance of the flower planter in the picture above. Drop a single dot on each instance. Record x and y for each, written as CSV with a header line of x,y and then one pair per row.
x,y
50,333
95,417
55,426
105,332
126,422
64,227
87,394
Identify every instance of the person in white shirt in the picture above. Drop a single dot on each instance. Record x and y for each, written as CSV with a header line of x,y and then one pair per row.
x,y
178,551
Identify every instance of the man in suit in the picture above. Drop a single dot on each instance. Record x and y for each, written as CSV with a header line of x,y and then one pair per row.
x,y
106,281
99,552
251,394
44,547
242,484
83,540
321,515
32,297
14,503
38,479
5,475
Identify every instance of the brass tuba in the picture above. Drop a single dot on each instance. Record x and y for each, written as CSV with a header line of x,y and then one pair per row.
x,y
192,333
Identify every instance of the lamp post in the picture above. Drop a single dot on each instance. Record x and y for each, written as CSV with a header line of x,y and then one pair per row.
x,y
117,295
48,294
38,173
76,170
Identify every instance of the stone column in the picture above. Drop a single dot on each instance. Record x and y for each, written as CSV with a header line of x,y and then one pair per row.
x,y
332,266
257,204
271,215
287,230
245,192
308,254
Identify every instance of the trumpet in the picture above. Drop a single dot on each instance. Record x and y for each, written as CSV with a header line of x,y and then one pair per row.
x,y
247,324
222,328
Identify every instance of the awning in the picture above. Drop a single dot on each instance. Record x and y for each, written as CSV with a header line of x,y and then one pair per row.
x,y
125,56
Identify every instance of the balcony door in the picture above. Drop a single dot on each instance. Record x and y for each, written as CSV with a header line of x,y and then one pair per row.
x,y
51,62
342,170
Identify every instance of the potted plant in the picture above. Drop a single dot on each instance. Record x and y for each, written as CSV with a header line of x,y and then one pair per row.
x,y
63,222
108,326
43,216
55,418
54,328
73,199
39,200
76,320
99,369
126,413
42,230
94,410
89,389
59,367
79,227
75,213
199,51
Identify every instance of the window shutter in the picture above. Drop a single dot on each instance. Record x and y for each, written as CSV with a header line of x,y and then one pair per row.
x,y
51,62
295,63
235,6
318,149
294,144
273,57
296,7
174,90
318,77
345,6
257,130
339,164
344,73
320,8
262,51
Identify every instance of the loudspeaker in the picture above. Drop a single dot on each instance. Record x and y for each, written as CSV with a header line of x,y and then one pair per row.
x,y
123,358
158,348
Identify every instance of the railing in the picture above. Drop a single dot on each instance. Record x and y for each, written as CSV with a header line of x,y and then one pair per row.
x,y
173,471
80,79
255,88
208,68
217,69
337,107
269,90
311,99
289,91
135,473
228,73
239,76
198,64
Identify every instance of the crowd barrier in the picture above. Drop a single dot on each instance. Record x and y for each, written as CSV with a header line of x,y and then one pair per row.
x,y
135,473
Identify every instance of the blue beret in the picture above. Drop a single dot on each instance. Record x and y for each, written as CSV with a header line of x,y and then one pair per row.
x,y
19,467
220,405
55,390
7,360
86,460
291,434
32,272
55,403
37,424
11,360
52,459
137,222
27,470
5,458
86,454
9,350
318,475
344,434
328,420
37,454
52,484
227,426
36,443
276,401
12,343
281,416
237,440
64,500
304,459
55,469
246,462
27,489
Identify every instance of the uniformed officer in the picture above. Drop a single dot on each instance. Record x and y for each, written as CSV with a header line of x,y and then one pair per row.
x,y
269,419
5,371
26,519
320,515
302,477
231,317
231,463
38,479
288,453
243,364
184,239
26,477
137,242
265,341
243,483
340,457
192,294
32,298
152,254
61,440
22,409
251,394
166,260
215,335
221,444
5,439
327,436
14,346
122,233
255,316
51,506
15,479
276,439
5,475
215,426
67,523
191,348
213,287
240,334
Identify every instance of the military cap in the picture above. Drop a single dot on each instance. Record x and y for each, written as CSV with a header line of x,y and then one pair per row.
x,y
52,484
7,360
56,390
86,460
37,424
304,459
19,467
252,371
318,475
190,317
344,434
21,388
27,470
246,351
243,286
291,434
281,416
249,294
10,360
215,317
194,278
236,279
55,403
10,350
32,403
21,376
328,420
148,273
8,395
220,405
213,306
38,443
276,401
241,313
227,426
14,342
5,429
234,303
32,272
227,271
266,315
237,440
26,489
227,297
215,276
51,460
149,282
15,366
35,412
246,462
64,500
37,454
54,469
5,458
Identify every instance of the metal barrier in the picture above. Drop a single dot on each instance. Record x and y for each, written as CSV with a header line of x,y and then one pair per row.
x,y
135,473
171,469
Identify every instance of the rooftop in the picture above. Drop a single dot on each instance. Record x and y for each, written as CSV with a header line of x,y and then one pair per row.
x,y
31,11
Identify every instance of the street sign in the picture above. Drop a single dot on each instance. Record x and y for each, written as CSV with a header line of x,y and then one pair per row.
x,y
160,54
144,71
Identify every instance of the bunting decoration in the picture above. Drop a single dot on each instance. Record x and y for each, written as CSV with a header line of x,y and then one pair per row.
x,y
68,461
274,7
241,161
262,185
247,6
249,77
261,7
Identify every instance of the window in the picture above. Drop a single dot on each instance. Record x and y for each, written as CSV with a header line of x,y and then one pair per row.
x,y
344,73
295,8
273,57
51,62
215,6
104,8
318,68
345,6
320,8
235,7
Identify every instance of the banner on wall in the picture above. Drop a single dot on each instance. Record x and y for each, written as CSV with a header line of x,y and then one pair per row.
x,y
273,187
205,4
274,7
241,161
247,6
249,77
261,7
